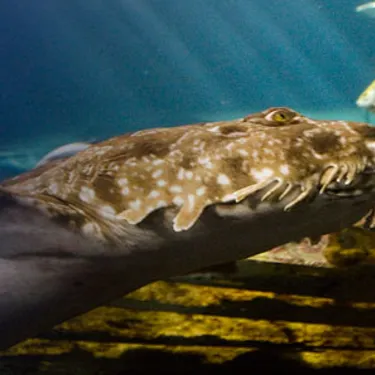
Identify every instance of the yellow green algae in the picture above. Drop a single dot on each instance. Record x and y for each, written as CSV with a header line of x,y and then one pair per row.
x,y
314,318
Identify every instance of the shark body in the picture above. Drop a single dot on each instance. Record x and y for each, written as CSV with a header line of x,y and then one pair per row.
x,y
79,232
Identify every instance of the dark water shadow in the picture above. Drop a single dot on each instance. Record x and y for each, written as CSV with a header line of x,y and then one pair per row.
x,y
145,361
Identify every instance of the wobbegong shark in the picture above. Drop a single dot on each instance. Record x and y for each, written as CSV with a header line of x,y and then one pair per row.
x,y
79,232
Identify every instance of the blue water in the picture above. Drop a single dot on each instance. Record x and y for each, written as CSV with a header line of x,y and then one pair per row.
x,y
83,70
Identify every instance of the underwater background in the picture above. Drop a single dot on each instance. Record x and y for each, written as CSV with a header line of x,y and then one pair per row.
x,y
75,70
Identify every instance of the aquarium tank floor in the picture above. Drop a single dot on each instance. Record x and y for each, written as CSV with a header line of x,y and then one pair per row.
x,y
263,317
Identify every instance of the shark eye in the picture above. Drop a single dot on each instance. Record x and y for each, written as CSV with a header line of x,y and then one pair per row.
x,y
276,116
280,116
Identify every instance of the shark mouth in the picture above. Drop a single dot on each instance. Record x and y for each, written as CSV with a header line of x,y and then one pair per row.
x,y
346,180
360,184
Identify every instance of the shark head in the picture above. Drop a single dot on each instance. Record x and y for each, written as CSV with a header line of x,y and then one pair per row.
x,y
166,201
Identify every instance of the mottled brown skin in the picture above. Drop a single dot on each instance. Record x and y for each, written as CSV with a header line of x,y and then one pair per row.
x,y
124,179
163,202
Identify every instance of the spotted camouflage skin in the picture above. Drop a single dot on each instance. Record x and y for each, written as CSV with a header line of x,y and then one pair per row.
x,y
279,153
